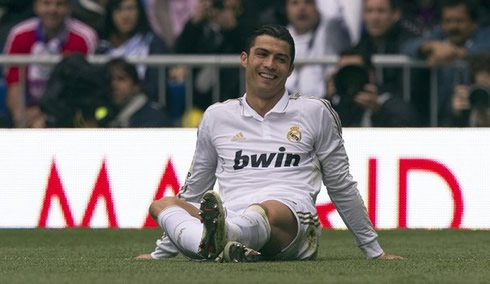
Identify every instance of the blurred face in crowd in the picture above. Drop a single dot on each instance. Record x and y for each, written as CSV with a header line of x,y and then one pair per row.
x,y
303,15
122,86
379,17
268,65
457,24
125,17
52,14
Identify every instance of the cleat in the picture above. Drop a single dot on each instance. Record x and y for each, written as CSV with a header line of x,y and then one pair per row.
x,y
236,252
214,235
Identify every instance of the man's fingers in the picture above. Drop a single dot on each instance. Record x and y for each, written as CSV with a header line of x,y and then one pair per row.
x,y
388,256
144,256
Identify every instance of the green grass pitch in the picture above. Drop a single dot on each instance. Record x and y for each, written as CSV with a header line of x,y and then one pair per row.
x,y
105,256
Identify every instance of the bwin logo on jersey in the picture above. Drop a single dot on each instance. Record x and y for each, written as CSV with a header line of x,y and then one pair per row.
x,y
265,160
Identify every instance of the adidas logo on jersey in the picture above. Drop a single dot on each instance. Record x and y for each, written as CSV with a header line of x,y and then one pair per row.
x,y
238,137
265,160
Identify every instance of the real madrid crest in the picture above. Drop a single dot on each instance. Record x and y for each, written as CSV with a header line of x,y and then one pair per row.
x,y
294,135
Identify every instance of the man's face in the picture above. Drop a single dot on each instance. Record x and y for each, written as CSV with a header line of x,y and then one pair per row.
x,y
125,17
267,66
379,17
457,24
303,15
122,87
52,13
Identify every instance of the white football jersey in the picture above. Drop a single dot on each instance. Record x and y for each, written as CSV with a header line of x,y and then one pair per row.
x,y
284,155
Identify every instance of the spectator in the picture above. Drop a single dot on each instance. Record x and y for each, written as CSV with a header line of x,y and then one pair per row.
x,y
217,27
383,34
315,36
359,101
470,105
91,12
133,108
266,12
168,17
128,34
458,38
52,32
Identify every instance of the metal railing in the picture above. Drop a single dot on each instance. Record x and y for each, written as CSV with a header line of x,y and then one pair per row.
x,y
165,61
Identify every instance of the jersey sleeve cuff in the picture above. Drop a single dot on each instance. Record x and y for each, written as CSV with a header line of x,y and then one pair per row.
x,y
372,250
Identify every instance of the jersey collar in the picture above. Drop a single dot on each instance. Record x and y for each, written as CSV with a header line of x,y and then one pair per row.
x,y
280,107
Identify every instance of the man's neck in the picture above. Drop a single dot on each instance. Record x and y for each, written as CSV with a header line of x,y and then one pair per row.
x,y
52,33
379,42
263,106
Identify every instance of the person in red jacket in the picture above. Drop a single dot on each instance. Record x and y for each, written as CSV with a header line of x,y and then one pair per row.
x,y
52,32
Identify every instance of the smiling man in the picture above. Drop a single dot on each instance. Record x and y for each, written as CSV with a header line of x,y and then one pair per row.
x,y
269,152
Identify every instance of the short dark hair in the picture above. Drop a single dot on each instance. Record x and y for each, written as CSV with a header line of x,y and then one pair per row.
x,y
479,63
470,5
128,68
276,31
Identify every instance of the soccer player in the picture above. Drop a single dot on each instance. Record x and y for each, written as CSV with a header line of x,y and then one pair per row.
x,y
269,151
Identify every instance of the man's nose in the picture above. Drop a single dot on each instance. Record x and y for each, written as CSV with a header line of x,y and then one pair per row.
x,y
269,62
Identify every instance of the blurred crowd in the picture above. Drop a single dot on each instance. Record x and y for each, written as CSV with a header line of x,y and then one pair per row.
x,y
452,36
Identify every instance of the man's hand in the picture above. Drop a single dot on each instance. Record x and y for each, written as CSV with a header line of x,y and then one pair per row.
x,y
440,53
461,99
368,98
144,256
388,256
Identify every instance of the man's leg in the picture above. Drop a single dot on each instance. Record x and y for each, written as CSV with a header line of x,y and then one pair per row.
x,y
181,223
268,227
283,224
196,233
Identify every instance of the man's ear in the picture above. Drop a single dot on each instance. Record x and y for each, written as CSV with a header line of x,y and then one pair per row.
x,y
397,14
243,59
291,69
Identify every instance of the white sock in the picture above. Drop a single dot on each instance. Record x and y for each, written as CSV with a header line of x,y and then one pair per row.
x,y
182,229
165,249
251,228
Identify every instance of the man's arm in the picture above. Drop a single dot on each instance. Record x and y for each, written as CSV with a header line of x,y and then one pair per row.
x,y
15,105
201,176
415,47
341,187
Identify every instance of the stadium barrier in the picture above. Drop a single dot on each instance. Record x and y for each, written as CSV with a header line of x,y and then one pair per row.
x,y
163,62
408,178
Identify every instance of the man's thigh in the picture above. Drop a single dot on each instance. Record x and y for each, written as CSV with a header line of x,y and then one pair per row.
x,y
304,244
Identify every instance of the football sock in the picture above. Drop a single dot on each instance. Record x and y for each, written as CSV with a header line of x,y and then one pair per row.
x,y
183,230
165,249
251,228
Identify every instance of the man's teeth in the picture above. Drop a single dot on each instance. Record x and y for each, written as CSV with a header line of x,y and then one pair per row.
x,y
267,76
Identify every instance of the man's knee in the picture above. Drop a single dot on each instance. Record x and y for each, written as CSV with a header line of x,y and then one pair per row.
x,y
279,215
161,204
283,226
